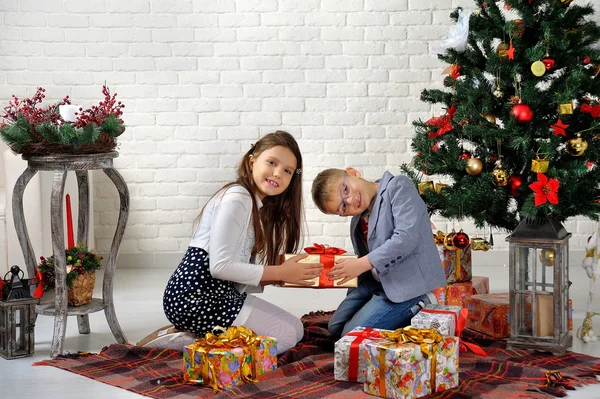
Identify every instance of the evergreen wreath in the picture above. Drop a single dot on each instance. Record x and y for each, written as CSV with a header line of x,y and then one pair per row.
x,y
61,128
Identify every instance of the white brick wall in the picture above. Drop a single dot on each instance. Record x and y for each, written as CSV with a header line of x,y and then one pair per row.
x,y
202,80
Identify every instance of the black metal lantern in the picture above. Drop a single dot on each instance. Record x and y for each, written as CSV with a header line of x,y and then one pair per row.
x,y
539,286
17,317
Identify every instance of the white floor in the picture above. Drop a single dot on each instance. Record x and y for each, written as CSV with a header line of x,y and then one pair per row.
x,y
138,298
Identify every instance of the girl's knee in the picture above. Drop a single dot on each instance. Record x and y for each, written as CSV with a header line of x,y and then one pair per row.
x,y
299,329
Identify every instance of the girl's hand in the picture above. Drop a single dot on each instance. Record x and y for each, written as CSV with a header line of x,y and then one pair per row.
x,y
348,268
299,273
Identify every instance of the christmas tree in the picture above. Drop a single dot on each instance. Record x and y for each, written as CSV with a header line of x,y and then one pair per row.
x,y
520,136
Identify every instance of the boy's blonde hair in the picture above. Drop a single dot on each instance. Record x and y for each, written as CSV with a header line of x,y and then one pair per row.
x,y
322,187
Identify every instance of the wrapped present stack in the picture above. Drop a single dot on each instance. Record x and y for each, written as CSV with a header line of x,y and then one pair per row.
x,y
327,256
455,254
489,314
411,363
230,359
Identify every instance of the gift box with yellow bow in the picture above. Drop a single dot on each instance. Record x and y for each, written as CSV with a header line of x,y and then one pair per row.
x,y
454,294
457,264
227,360
327,256
411,363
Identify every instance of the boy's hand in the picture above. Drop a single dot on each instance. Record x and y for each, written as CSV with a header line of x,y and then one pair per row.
x,y
299,273
348,268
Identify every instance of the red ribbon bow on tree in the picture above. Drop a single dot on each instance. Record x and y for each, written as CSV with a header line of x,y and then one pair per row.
x,y
593,110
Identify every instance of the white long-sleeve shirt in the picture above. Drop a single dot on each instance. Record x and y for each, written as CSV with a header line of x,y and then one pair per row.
x,y
225,232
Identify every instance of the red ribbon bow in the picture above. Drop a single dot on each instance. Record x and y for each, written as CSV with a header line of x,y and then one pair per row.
x,y
465,346
324,249
367,333
593,110
327,258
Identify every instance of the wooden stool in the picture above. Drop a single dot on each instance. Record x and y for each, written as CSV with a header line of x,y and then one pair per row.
x,y
60,165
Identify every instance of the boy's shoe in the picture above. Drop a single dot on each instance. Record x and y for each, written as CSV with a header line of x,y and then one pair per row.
x,y
168,337
427,299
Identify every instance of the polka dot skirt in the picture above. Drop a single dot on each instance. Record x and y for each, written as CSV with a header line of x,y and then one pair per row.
x,y
194,301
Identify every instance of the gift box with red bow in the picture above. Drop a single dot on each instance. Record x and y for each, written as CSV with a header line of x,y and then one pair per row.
x,y
227,360
411,363
349,362
327,256
444,318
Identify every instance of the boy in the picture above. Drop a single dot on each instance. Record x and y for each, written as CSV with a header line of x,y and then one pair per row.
x,y
398,264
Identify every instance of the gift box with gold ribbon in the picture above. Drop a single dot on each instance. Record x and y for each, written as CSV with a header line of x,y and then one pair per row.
x,y
227,360
411,363
349,362
457,264
327,256
454,294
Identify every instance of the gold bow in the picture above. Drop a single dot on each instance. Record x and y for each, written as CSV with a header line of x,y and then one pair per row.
x,y
427,338
233,337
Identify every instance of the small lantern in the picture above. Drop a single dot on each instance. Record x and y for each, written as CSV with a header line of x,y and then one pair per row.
x,y
539,286
17,318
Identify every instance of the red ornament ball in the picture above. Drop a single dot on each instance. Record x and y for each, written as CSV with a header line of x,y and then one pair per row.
x,y
514,183
522,113
461,240
587,60
464,155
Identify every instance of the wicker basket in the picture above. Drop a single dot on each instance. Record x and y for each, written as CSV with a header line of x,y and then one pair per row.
x,y
81,289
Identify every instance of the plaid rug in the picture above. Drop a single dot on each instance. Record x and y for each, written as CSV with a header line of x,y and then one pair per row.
x,y
306,371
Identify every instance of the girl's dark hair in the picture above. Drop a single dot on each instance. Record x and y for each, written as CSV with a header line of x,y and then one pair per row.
x,y
277,224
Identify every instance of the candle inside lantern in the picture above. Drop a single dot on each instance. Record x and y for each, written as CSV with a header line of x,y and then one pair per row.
x,y
70,239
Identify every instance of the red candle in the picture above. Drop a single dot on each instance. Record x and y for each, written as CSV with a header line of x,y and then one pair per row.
x,y
70,239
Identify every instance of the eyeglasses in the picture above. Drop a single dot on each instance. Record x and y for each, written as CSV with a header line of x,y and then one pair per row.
x,y
344,194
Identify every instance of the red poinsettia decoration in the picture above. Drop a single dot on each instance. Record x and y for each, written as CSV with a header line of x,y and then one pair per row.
x,y
442,123
455,71
545,190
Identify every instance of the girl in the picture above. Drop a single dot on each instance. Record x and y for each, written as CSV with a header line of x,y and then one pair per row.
x,y
256,217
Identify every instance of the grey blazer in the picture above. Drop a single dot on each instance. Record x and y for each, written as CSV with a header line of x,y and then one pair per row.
x,y
400,246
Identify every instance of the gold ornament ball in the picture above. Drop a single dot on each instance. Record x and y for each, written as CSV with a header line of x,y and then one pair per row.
x,y
474,166
500,176
502,49
448,241
498,93
576,146
547,257
490,118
